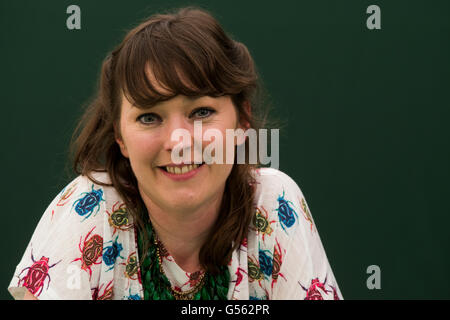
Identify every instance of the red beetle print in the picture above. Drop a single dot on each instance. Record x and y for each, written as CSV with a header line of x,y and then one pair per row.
x,y
194,278
306,213
313,293
91,252
277,261
239,277
335,294
66,195
36,275
107,292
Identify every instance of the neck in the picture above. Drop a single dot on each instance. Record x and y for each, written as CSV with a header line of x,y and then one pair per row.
x,y
183,231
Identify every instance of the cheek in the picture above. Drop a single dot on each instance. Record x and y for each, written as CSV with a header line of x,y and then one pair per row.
x,y
141,146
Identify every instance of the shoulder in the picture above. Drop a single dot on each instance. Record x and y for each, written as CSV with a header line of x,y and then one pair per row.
x,y
279,203
283,236
272,181
265,175
72,237
89,191
273,230
85,196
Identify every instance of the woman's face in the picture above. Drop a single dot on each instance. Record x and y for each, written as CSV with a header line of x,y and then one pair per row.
x,y
146,141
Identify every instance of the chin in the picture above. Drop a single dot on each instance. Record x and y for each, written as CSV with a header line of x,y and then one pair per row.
x,y
183,202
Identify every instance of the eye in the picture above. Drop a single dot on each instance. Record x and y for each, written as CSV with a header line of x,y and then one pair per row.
x,y
147,118
203,112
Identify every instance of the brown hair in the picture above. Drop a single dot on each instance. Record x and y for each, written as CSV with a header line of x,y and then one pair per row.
x,y
189,54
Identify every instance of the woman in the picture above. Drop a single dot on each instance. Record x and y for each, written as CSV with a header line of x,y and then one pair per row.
x,y
137,225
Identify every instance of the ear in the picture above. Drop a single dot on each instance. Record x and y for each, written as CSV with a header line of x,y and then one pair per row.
x,y
118,138
243,124
123,148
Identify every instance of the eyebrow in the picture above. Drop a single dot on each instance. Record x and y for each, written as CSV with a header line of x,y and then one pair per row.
x,y
191,100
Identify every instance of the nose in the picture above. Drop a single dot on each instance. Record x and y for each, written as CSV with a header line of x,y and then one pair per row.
x,y
183,140
176,131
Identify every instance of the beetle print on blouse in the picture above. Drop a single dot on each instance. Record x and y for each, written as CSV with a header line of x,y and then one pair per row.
x,y
36,275
96,257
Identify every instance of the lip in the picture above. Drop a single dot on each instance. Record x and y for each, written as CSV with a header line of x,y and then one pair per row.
x,y
178,165
184,176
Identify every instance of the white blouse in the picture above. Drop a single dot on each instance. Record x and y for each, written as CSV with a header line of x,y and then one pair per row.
x,y
85,247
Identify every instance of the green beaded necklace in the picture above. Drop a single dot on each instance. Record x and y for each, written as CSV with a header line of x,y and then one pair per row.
x,y
157,286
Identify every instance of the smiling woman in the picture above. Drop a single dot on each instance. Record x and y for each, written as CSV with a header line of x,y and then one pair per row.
x,y
136,225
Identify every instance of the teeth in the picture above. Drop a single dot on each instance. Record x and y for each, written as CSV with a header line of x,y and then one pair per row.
x,y
183,169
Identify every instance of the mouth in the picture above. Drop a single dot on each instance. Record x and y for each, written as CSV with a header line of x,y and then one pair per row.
x,y
175,170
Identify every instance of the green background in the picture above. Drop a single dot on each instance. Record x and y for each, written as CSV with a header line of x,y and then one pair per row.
x,y
367,111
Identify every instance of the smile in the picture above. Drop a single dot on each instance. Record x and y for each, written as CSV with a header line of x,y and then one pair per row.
x,y
181,173
182,170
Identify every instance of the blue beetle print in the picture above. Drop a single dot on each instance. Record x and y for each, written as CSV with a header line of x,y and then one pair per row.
x,y
134,297
111,253
256,296
286,214
90,201
265,262
130,296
